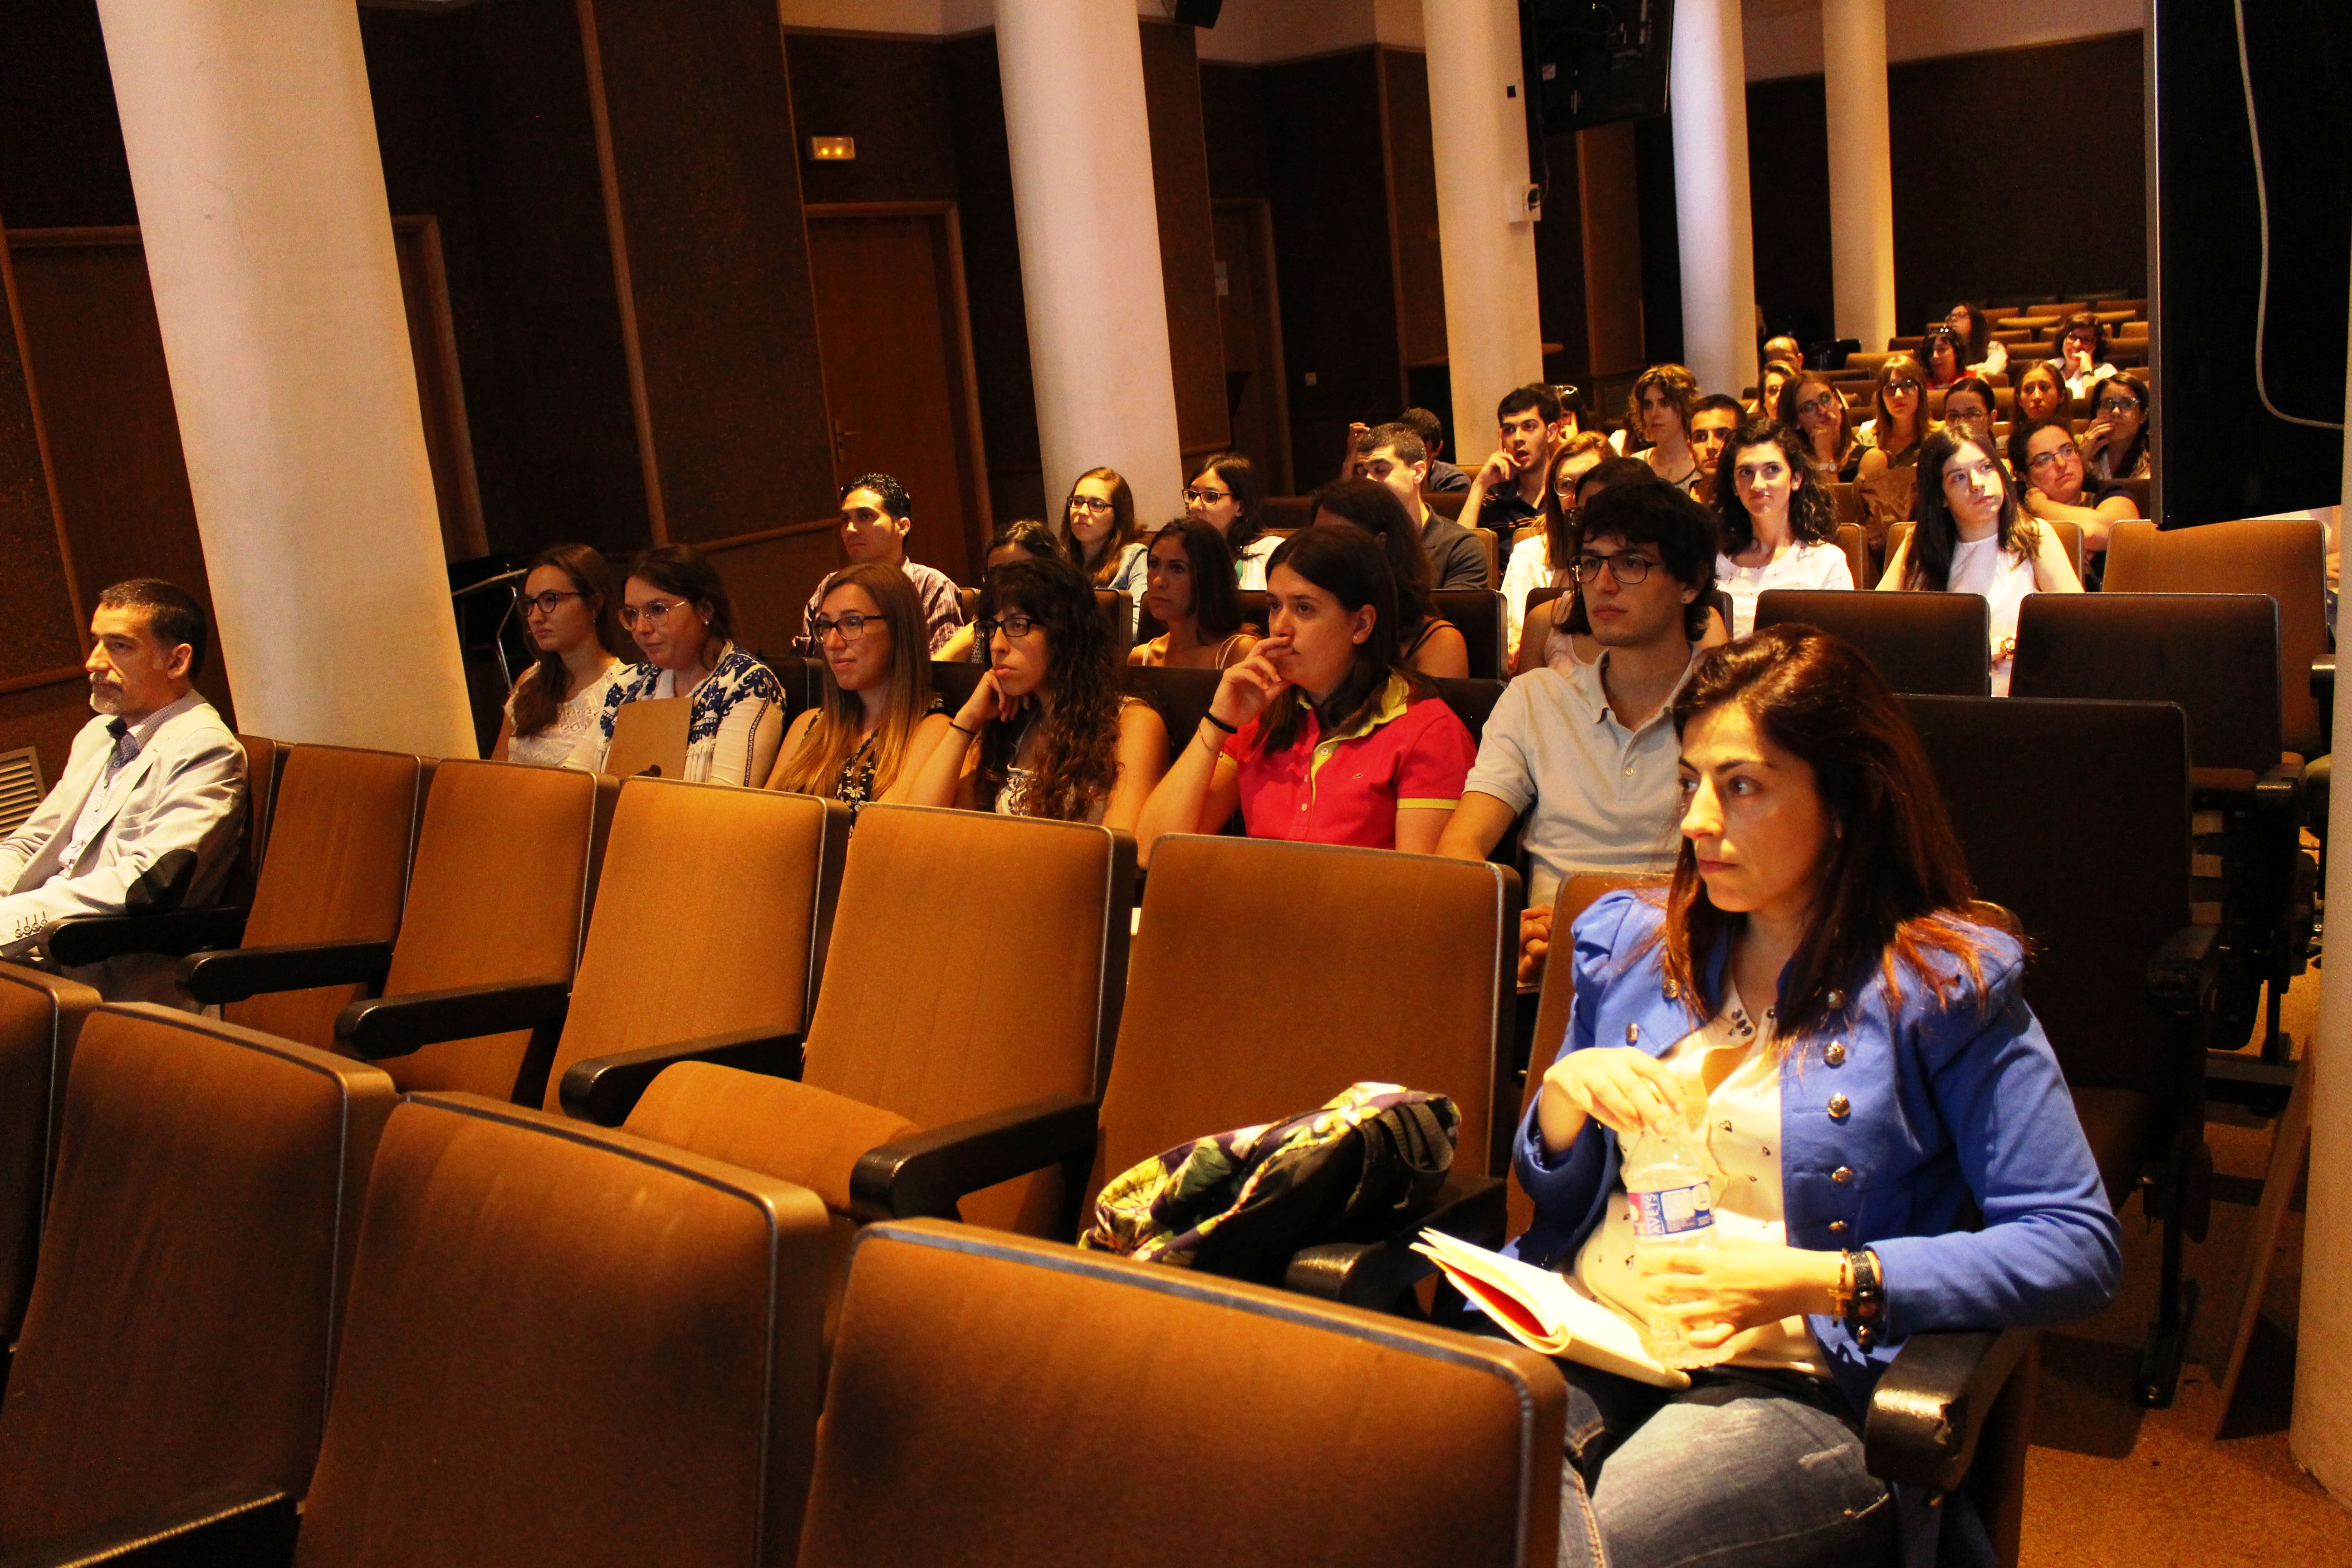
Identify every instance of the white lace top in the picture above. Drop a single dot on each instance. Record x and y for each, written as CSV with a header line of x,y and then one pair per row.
x,y
572,724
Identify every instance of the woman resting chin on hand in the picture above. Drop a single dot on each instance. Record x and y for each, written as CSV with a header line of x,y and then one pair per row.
x,y
1812,998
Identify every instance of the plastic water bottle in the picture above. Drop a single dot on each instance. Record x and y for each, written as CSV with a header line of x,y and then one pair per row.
x,y
1674,1213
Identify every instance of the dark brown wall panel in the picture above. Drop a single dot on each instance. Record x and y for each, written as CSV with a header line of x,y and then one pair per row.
x,y
483,118
61,160
44,634
710,199
892,95
1324,152
991,255
1789,204
1413,186
1559,268
1232,109
46,717
1188,243
97,356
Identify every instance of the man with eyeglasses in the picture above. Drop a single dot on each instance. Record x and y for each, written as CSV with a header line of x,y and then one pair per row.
x,y
146,815
1393,455
1592,750
2057,490
875,513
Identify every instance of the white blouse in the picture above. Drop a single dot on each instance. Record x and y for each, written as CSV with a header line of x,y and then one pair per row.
x,y
575,718
1529,569
1982,566
1741,1139
1250,568
1806,564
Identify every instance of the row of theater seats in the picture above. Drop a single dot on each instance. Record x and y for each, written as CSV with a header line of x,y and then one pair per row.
x,y
509,1314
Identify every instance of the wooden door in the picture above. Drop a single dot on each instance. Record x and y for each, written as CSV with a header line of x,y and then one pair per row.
x,y
892,329
1251,314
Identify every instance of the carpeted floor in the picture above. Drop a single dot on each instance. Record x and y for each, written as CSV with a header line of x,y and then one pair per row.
x,y
2109,1483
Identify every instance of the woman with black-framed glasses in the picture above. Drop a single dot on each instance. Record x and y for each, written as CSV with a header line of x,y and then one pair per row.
x,y
566,606
1222,490
867,736
1099,531
1046,732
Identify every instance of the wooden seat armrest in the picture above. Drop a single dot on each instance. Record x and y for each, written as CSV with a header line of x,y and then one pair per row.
x,y
1374,1274
387,1027
87,939
242,971
604,1090
923,1174
1930,1405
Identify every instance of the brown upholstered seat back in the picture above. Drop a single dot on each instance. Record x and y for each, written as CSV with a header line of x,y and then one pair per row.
x,y
1269,976
263,758
2214,653
40,1015
2284,557
977,963
498,893
1920,642
995,1400
1553,1005
342,827
749,863
181,1331
567,1345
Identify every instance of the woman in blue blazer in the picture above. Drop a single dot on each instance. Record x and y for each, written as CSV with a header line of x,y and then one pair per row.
x,y
1890,1144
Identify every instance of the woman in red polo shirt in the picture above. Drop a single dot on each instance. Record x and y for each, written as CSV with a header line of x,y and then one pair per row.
x,y
1321,734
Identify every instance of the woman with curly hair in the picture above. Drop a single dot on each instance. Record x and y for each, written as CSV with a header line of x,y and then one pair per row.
x,y
1658,412
1776,526
865,740
1046,732
1323,734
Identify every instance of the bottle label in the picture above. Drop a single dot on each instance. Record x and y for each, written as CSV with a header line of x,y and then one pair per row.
x,y
1672,1212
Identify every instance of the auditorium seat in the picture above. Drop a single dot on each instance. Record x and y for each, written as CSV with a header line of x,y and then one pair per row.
x,y
1446,504
1393,969
41,1017
498,895
182,1328
1855,543
649,739
1257,611
2120,976
1477,613
1119,610
2216,655
974,976
1920,642
342,822
1162,1416
564,1345
1286,514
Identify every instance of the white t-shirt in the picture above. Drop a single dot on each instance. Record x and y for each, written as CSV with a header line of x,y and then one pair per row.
x,y
1739,1135
1606,798
1982,566
1529,569
1250,567
1806,564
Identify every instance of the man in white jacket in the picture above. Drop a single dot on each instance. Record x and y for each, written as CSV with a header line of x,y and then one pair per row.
x,y
147,811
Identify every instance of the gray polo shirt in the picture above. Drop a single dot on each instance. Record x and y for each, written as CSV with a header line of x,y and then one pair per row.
x,y
1606,798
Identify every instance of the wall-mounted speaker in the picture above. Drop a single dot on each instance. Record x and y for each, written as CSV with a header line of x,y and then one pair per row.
x,y
1195,13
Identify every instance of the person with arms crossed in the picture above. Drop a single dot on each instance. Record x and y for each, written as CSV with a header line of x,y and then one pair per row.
x,y
1592,747
148,809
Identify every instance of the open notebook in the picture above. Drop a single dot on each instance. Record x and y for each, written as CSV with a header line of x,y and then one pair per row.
x,y
1545,1312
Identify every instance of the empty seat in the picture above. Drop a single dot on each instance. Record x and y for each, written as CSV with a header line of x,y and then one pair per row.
x,y
1368,1441
2119,975
498,895
41,1017
922,1023
183,1324
1920,642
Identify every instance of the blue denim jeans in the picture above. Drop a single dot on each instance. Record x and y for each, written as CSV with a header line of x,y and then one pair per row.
x,y
1742,1469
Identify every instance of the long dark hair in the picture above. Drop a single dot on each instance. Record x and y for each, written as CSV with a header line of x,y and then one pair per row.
x,y
1979,329
1893,886
1216,602
1940,332
1351,565
1238,474
538,691
1558,521
2119,466
1374,508
1810,518
1935,537
1123,532
683,569
1026,533
1078,709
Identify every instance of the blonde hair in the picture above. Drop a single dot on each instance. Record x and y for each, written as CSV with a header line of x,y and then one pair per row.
x,y
816,765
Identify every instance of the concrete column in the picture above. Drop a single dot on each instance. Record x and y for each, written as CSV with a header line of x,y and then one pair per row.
x,y
1090,269
1485,235
2321,1436
1707,93
1862,181
261,202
